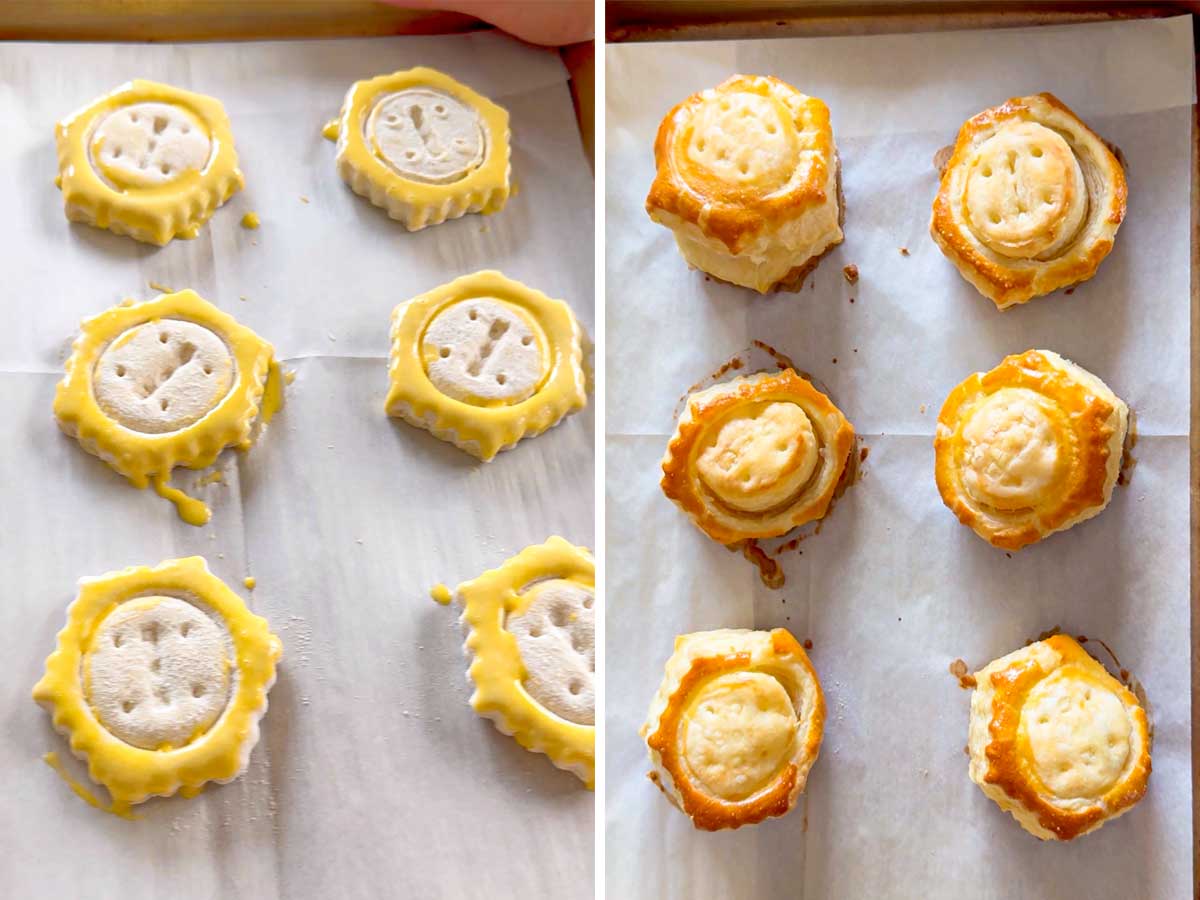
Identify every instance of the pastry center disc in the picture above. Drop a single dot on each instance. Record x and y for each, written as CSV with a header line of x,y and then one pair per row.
x,y
485,352
162,376
146,145
157,672
738,734
1078,733
1010,453
556,637
759,456
743,139
1025,192
426,135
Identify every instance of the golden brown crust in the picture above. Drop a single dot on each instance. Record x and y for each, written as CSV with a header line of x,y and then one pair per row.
x,y
711,813
706,409
731,212
1004,279
1085,422
1009,763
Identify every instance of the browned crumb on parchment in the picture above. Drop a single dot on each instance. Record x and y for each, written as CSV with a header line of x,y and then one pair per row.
x,y
959,670
904,251
850,273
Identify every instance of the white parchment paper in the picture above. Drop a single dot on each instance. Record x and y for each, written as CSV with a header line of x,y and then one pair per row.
x,y
893,589
373,778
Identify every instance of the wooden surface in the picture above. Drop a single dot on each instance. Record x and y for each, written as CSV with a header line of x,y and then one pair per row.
x,y
644,20
206,20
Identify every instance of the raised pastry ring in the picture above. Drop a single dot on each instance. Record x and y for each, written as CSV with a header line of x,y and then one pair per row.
x,y
169,382
756,456
1030,448
423,147
1056,740
531,640
147,160
735,726
485,361
1030,200
159,680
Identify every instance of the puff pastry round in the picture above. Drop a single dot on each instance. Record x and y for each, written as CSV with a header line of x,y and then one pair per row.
x,y
735,727
748,181
756,456
1056,740
1030,200
1030,448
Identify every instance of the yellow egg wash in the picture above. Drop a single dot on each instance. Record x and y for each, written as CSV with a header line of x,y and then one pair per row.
x,y
251,221
497,670
146,459
121,811
161,288
102,190
441,594
133,774
364,165
330,131
250,582
484,430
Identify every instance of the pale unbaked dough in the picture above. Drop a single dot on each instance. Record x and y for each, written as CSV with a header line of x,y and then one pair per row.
x,y
426,135
146,144
158,672
556,637
162,376
484,351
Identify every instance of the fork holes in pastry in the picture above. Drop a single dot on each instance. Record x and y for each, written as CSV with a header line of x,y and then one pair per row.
x,y
120,371
500,379
184,629
444,353
527,340
987,172
165,403
439,109
575,687
128,706
560,615
166,169
197,690
1036,152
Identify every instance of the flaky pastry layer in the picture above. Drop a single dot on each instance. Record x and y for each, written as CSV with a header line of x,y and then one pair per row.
x,y
735,727
1056,741
1030,200
747,180
1028,449
756,456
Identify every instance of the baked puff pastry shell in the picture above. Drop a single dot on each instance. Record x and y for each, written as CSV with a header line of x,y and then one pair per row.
x,y
1030,448
1056,740
735,726
756,456
1030,200
747,179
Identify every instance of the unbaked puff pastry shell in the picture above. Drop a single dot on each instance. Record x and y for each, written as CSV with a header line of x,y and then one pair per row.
x,y
423,147
531,641
735,726
1056,740
159,680
756,456
747,179
1030,448
485,361
147,160
169,382
1030,200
